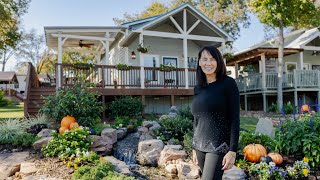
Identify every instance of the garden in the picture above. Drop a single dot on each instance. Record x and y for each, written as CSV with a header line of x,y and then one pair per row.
x,y
69,132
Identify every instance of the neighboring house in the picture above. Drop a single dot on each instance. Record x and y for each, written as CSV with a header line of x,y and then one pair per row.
x,y
8,82
301,75
21,86
173,38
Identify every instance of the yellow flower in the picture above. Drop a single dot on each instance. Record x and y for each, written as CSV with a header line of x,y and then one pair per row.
x,y
102,159
68,164
238,165
305,172
305,159
75,166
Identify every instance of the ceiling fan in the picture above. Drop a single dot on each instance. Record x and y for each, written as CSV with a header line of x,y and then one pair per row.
x,y
81,44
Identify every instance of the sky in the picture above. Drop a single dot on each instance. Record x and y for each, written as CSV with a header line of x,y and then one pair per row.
x,y
101,12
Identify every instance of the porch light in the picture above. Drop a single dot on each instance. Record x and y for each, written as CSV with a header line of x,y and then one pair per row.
x,y
314,53
133,55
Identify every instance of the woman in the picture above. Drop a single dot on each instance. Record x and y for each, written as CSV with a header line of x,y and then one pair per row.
x,y
215,108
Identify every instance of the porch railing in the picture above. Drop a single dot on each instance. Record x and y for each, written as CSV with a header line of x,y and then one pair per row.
x,y
108,76
295,79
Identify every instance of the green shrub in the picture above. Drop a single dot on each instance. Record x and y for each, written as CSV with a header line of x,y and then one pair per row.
x,y
187,142
250,138
289,108
3,102
77,102
97,128
68,144
103,170
174,128
126,106
185,113
24,139
273,108
301,138
10,128
123,121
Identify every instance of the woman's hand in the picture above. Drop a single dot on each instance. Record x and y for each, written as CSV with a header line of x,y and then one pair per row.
x,y
228,160
194,157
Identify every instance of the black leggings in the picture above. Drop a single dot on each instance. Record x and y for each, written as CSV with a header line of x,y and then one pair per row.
x,y
210,165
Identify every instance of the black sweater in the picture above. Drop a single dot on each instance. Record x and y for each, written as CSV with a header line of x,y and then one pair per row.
x,y
216,116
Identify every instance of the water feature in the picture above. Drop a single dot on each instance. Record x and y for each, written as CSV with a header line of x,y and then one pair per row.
x,y
125,149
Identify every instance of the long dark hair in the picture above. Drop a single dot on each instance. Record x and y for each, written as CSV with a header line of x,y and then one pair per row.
x,y
221,70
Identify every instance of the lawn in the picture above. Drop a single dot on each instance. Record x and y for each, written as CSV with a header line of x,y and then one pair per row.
x,y
12,111
248,123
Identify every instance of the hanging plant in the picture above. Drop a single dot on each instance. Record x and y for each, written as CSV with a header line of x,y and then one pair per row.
x,y
228,56
122,67
143,49
164,67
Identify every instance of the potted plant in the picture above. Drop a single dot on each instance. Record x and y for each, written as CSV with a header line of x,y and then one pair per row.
x,y
122,67
83,65
143,49
165,67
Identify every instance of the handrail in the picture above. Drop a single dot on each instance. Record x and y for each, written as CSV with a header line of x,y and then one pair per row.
x,y
31,81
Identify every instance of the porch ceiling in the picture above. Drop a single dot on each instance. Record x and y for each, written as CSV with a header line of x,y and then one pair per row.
x,y
255,55
88,31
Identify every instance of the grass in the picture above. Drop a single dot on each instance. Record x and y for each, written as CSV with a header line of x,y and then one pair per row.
x,y
12,111
248,123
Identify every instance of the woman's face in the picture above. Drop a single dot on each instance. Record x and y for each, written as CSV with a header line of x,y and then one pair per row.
x,y
207,63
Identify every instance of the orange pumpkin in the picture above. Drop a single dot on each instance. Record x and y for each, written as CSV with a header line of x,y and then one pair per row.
x,y
253,152
305,108
276,158
62,129
74,125
66,121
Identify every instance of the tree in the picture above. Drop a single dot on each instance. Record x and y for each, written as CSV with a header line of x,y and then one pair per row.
x,y
154,9
283,13
10,12
228,14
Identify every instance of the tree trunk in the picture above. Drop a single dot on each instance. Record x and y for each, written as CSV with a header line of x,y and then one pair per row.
x,y
280,64
4,62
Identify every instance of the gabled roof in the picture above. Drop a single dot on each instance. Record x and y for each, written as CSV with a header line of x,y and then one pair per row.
x,y
6,77
177,9
141,24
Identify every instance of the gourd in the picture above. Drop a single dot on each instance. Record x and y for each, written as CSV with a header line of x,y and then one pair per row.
x,y
62,129
253,152
74,125
66,121
276,158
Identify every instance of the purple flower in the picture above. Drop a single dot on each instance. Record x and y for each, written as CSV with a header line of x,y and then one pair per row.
x,y
282,112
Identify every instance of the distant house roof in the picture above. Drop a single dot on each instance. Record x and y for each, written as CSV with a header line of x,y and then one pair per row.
x,y
8,77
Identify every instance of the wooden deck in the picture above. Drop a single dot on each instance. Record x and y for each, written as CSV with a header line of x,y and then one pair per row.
x,y
294,81
109,81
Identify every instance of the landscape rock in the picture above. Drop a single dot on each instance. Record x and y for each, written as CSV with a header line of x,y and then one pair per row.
x,y
147,124
120,166
172,170
146,136
27,168
10,163
149,152
234,173
188,171
265,126
45,133
171,153
41,142
121,133
109,134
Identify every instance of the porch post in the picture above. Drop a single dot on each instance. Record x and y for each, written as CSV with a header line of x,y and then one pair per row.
x,y
301,60
236,67
295,94
141,63
264,96
59,78
263,62
185,48
245,102
318,98
106,60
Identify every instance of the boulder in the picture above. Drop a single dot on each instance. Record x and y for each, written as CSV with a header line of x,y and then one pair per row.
x,y
154,127
234,173
188,171
121,133
120,166
149,152
28,168
170,153
45,133
41,142
10,163
109,134
146,136
172,170
147,124
99,141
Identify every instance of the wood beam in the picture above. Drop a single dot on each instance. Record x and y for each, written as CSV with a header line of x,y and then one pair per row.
x,y
193,26
70,36
176,24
